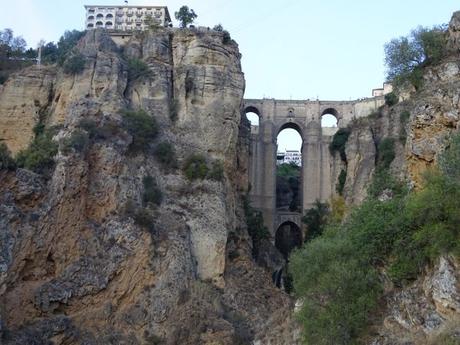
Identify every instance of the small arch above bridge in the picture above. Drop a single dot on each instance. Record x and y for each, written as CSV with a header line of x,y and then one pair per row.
x,y
288,236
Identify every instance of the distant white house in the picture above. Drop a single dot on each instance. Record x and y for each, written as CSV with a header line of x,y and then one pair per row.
x,y
290,156
125,18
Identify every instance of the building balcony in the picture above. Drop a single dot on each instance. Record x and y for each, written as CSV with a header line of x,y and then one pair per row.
x,y
120,13
139,20
129,13
139,13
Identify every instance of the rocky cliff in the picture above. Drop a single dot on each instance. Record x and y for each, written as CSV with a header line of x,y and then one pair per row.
x,y
75,267
426,311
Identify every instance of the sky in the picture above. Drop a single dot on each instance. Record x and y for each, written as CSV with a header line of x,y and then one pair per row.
x,y
291,49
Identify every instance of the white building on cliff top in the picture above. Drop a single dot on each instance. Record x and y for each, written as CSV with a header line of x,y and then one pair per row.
x,y
125,18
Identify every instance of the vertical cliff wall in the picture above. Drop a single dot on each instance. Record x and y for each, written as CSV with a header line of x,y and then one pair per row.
x,y
75,267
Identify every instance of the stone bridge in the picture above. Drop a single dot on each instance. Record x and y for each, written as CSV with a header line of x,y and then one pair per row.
x,y
319,172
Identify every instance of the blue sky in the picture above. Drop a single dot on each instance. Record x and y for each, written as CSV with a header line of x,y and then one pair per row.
x,y
292,49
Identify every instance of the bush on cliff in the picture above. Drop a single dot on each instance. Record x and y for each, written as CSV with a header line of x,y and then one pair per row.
x,y
138,69
166,155
195,167
337,274
142,127
339,141
39,156
6,161
74,64
78,141
152,192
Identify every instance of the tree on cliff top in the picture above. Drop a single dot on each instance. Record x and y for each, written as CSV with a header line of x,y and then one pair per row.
x,y
185,16
405,56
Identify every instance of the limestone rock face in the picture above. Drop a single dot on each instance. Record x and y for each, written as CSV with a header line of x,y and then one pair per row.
x,y
75,266
426,310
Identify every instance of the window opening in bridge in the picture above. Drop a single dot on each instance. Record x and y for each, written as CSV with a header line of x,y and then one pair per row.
x,y
329,118
253,118
288,170
288,236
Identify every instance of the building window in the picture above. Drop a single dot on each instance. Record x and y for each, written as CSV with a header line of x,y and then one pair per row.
x,y
91,18
91,10
109,16
99,24
90,25
100,16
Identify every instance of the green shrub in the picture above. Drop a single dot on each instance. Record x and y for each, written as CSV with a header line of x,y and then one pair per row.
x,y
95,132
403,119
138,69
383,180
385,153
218,28
339,141
226,38
152,193
288,170
142,127
195,167
166,155
315,219
75,64
336,274
217,171
67,43
255,225
78,142
341,181
39,156
391,99
6,161
449,161
173,109
141,216
39,128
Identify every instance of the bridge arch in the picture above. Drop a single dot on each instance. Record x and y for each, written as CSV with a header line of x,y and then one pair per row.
x,y
287,237
330,118
253,114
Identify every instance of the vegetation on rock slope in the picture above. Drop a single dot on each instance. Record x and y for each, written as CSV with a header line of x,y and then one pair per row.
x,y
337,274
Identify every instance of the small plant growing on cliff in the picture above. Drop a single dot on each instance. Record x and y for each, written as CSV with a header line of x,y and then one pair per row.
x,y
6,161
142,127
316,219
152,193
403,119
217,171
138,69
255,225
74,64
78,142
195,167
341,181
173,109
386,153
339,141
141,216
391,99
185,16
166,155
39,156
